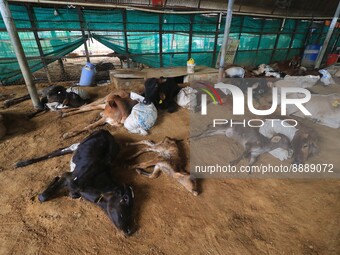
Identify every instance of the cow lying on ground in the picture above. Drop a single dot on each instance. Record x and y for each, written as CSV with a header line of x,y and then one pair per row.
x,y
304,139
90,178
161,92
254,143
54,94
167,161
116,108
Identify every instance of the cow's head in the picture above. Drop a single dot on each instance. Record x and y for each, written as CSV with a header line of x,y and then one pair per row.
x,y
304,145
119,205
57,94
151,90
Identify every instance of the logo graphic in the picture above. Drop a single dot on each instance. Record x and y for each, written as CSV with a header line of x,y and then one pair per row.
x,y
300,95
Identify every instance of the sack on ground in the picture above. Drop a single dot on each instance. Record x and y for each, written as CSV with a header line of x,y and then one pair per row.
x,y
141,119
187,98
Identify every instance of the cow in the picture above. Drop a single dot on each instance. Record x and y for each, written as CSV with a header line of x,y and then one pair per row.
x,y
90,178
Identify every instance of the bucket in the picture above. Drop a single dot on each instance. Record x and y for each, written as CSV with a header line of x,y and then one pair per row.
x,y
310,54
88,73
332,59
191,66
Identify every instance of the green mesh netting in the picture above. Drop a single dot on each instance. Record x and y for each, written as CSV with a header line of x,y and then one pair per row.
x,y
261,40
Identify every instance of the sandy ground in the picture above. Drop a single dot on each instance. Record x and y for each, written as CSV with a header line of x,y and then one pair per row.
x,y
230,216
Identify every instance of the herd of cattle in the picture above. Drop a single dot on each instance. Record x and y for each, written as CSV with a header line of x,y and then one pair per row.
x,y
94,157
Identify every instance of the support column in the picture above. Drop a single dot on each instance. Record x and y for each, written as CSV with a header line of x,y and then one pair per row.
x,y
37,40
81,19
19,52
328,37
160,41
225,38
127,54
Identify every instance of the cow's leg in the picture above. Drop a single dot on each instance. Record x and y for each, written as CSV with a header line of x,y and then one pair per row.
x,y
139,153
146,164
53,154
143,142
14,101
85,108
244,154
98,123
154,174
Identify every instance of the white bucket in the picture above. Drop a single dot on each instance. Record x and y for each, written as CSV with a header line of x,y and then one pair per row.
x,y
190,68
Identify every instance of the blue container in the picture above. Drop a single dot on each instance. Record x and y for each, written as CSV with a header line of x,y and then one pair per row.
x,y
310,54
88,73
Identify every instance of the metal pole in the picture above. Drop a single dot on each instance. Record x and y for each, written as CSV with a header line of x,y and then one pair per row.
x,y
19,52
190,35
328,37
225,38
37,40
218,26
81,19
160,34
126,42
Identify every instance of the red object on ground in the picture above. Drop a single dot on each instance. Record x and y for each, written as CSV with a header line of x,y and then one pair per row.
x,y
332,59
157,2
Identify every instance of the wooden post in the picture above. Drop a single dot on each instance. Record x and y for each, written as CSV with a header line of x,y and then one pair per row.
x,y
37,40
19,52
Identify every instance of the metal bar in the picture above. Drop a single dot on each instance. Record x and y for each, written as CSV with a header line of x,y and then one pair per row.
x,y
260,38
125,37
110,5
218,25
199,4
277,39
81,20
321,32
160,34
31,15
190,35
115,30
225,38
328,37
142,54
19,52
335,43
292,38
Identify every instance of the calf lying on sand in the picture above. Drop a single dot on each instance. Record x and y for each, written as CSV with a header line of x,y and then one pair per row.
x,y
167,161
254,143
90,178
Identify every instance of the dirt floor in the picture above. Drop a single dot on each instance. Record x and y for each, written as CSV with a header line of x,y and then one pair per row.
x,y
230,216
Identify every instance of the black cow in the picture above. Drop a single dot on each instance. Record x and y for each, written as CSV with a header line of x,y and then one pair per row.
x,y
161,92
90,178
58,94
